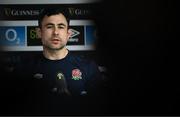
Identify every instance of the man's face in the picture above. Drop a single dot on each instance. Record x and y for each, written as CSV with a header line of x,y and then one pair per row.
x,y
54,32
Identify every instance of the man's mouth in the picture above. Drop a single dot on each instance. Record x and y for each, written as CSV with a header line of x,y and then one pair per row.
x,y
55,41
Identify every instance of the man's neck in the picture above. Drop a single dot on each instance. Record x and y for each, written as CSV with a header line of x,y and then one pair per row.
x,y
55,54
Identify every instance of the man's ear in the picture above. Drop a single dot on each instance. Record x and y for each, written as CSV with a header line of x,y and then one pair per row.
x,y
69,33
38,32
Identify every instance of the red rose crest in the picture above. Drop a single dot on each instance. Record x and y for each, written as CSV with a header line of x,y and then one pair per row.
x,y
76,74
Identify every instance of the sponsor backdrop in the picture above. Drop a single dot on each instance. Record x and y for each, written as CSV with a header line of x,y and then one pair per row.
x,y
18,24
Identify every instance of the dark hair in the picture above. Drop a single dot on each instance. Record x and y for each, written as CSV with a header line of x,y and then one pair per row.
x,y
53,11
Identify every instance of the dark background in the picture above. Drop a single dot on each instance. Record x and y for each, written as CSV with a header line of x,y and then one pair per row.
x,y
139,44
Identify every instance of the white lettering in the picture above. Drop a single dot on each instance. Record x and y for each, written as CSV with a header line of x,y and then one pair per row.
x,y
8,35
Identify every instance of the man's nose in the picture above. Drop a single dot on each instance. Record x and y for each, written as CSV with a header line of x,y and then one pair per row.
x,y
56,31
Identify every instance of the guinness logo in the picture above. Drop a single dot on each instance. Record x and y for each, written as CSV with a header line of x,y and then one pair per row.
x,y
78,12
16,12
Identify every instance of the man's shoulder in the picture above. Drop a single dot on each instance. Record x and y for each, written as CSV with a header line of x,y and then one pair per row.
x,y
82,59
28,63
89,65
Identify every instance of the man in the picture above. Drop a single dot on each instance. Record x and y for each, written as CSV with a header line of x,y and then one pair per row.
x,y
58,82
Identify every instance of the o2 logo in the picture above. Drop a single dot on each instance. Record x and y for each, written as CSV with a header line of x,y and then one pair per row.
x,y
12,36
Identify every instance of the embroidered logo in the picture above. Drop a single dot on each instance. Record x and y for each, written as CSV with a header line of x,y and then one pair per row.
x,y
60,76
76,74
38,76
83,93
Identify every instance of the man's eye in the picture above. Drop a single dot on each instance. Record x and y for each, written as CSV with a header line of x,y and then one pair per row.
x,y
49,26
61,27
